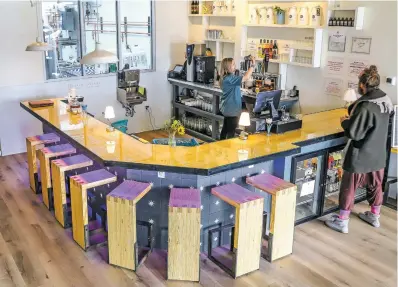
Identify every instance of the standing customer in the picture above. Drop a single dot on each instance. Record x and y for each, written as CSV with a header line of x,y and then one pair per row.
x,y
231,99
365,160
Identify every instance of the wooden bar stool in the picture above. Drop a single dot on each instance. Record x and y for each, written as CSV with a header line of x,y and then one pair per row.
x,y
184,235
283,208
58,169
32,143
246,234
78,191
45,154
122,224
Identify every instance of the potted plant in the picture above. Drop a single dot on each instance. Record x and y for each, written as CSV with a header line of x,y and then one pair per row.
x,y
173,127
280,15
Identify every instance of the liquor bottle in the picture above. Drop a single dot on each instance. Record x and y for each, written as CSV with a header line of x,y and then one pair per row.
x,y
331,21
345,22
334,21
260,49
193,7
275,50
351,22
263,48
270,50
267,47
197,7
339,22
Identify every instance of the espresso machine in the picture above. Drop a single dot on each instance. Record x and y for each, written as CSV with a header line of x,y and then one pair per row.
x,y
129,92
193,50
205,66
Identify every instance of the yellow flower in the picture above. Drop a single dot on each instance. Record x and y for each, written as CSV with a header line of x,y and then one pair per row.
x,y
181,130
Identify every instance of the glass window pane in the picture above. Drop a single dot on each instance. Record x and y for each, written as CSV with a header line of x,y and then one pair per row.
x,y
135,29
99,26
61,28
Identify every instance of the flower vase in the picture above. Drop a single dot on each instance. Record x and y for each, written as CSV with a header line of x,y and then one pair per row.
x,y
172,139
280,18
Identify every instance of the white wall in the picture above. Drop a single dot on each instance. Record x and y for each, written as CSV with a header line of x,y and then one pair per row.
x,y
22,74
380,24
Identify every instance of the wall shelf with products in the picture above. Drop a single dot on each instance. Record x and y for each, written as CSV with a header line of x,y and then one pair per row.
x,y
345,17
209,15
284,26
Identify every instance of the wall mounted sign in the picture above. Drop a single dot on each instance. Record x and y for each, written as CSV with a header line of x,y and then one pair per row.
x,y
337,42
335,65
333,87
361,45
356,66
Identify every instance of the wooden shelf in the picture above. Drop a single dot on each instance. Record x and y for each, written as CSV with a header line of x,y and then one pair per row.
x,y
211,15
220,40
284,26
198,112
199,135
288,63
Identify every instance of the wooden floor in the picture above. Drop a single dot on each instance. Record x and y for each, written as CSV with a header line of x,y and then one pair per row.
x,y
36,251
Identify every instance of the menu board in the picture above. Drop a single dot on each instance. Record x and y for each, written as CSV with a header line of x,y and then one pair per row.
x,y
333,87
335,65
356,66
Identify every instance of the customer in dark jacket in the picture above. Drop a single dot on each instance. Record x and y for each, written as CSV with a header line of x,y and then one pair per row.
x,y
366,129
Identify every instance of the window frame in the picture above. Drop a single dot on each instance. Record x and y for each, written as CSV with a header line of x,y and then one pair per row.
x,y
118,42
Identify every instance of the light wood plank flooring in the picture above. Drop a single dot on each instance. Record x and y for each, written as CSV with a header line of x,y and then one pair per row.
x,y
36,251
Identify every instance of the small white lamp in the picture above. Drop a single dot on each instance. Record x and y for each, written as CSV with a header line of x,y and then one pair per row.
x,y
109,114
244,121
350,96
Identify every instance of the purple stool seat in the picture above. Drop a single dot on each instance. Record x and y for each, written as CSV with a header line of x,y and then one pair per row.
x,y
58,150
97,177
234,194
72,161
44,139
131,190
184,197
269,183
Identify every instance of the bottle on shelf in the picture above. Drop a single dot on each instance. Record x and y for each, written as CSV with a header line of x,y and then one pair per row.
x,y
345,22
275,50
270,50
197,7
331,21
339,22
260,49
263,48
351,22
192,7
334,21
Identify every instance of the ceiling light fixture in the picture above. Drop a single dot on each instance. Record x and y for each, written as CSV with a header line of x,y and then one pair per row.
x,y
38,46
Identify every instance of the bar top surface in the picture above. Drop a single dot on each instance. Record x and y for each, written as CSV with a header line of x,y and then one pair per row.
x,y
209,158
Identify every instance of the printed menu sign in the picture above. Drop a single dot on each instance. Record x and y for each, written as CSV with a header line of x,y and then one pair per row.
x,y
353,85
333,87
356,66
335,65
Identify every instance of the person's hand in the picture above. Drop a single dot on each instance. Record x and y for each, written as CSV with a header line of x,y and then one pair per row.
x,y
342,119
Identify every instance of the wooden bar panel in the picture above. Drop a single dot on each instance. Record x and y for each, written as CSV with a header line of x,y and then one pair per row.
x,y
184,244
249,237
32,165
79,213
122,232
59,191
45,178
282,222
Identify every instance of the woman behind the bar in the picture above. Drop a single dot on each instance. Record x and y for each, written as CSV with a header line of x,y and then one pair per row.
x,y
231,99
365,159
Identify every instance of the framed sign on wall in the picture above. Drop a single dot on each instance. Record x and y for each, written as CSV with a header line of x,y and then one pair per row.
x,y
361,45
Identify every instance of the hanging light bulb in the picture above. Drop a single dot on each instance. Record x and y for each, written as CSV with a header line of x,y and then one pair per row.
x,y
38,46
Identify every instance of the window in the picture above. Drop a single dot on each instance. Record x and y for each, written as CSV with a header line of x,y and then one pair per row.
x,y
73,28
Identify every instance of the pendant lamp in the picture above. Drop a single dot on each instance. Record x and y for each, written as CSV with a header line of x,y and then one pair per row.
x,y
98,56
38,45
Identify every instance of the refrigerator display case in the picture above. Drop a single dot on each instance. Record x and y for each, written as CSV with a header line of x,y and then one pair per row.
x,y
318,178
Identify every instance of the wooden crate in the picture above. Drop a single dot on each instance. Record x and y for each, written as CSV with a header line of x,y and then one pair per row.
x,y
32,144
249,208
122,222
283,210
78,189
45,154
58,168
184,235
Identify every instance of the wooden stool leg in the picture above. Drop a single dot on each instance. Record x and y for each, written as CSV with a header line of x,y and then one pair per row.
x,y
184,244
59,192
122,232
79,214
32,166
46,186
249,236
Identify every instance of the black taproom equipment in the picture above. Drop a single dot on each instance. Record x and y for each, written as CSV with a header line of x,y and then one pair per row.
x,y
205,66
190,63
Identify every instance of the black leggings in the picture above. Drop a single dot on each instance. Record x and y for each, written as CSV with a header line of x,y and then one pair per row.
x,y
229,127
